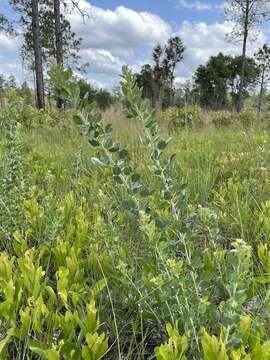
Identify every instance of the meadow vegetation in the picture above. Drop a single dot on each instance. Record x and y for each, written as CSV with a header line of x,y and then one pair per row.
x,y
143,235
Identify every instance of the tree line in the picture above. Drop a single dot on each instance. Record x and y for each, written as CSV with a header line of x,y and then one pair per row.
x,y
225,81
47,35
215,85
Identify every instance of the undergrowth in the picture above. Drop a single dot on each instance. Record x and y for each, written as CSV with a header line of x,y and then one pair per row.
x,y
150,249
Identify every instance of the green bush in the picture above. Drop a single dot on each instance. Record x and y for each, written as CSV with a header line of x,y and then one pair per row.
x,y
28,116
188,116
227,118
264,120
34,118
221,118
246,118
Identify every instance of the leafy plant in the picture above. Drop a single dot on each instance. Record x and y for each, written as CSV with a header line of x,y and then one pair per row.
x,y
175,348
189,116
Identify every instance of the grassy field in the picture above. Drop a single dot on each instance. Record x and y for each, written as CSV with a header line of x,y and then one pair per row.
x,y
129,251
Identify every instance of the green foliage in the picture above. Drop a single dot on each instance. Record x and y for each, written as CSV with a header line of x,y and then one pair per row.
x,y
25,114
221,118
217,82
105,240
103,98
246,118
156,82
175,348
246,344
66,87
52,314
71,43
80,98
187,116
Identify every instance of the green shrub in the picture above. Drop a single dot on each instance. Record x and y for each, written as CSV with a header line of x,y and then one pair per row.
x,y
28,116
187,116
227,118
246,118
33,118
221,118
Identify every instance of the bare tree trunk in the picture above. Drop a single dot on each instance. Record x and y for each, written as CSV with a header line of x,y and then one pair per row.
x,y
261,94
243,66
156,94
171,95
58,41
40,100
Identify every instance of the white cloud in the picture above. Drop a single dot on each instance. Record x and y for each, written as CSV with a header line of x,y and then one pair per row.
x,y
9,61
104,68
120,30
12,68
7,43
102,61
111,38
197,5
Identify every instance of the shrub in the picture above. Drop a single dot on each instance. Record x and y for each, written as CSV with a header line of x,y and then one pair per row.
x,y
28,116
246,118
221,118
34,118
226,118
187,116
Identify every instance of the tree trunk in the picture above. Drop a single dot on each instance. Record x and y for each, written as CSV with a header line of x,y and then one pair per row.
x,y
58,42
243,67
40,100
261,94
156,94
171,95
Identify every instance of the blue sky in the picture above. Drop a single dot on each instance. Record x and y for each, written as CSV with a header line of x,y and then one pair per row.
x,y
172,11
118,32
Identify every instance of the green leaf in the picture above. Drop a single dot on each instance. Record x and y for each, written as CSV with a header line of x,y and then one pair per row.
x,y
115,147
162,144
78,119
172,158
108,143
127,170
105,159
98,117
116,170
4,342
94,143
123,154
108,128
149,121
38,348
97,162
135,177
156,154
98,287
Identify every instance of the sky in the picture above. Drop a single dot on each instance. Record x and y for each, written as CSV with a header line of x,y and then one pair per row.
x,y
118,32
